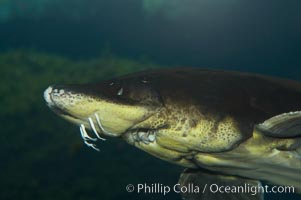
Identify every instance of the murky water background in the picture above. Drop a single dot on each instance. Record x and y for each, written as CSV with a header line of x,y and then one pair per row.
x,y
65,41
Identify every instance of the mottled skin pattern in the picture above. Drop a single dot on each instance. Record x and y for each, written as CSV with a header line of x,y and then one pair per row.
x,y
202,118
212,111
208,121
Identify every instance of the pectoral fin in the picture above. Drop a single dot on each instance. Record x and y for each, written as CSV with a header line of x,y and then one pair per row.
x,y
286,125
239,188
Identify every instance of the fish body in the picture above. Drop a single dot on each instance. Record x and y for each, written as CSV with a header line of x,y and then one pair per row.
x,y
233,123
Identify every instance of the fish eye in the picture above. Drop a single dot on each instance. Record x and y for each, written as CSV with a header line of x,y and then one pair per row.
x,y
115,87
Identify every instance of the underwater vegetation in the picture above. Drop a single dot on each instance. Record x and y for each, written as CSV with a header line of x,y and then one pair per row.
x,y
42,157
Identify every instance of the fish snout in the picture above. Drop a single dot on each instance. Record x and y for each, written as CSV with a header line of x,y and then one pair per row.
x,y
54,94
64,99
47,95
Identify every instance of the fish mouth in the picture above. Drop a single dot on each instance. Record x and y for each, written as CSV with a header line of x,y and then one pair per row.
x,y
143,136
140,135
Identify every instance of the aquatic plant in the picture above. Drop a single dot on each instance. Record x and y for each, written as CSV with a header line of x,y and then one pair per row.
x,y
42,157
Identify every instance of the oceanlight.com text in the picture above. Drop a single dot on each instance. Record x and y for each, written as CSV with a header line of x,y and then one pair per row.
x,y
158,188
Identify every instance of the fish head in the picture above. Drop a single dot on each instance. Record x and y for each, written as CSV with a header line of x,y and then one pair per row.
x,y
110,107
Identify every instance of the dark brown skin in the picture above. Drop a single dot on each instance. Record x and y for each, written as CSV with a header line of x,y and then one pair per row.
x,y
248,97
252,97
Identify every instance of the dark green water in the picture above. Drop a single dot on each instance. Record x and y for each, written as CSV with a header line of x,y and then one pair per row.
x,y
44,42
